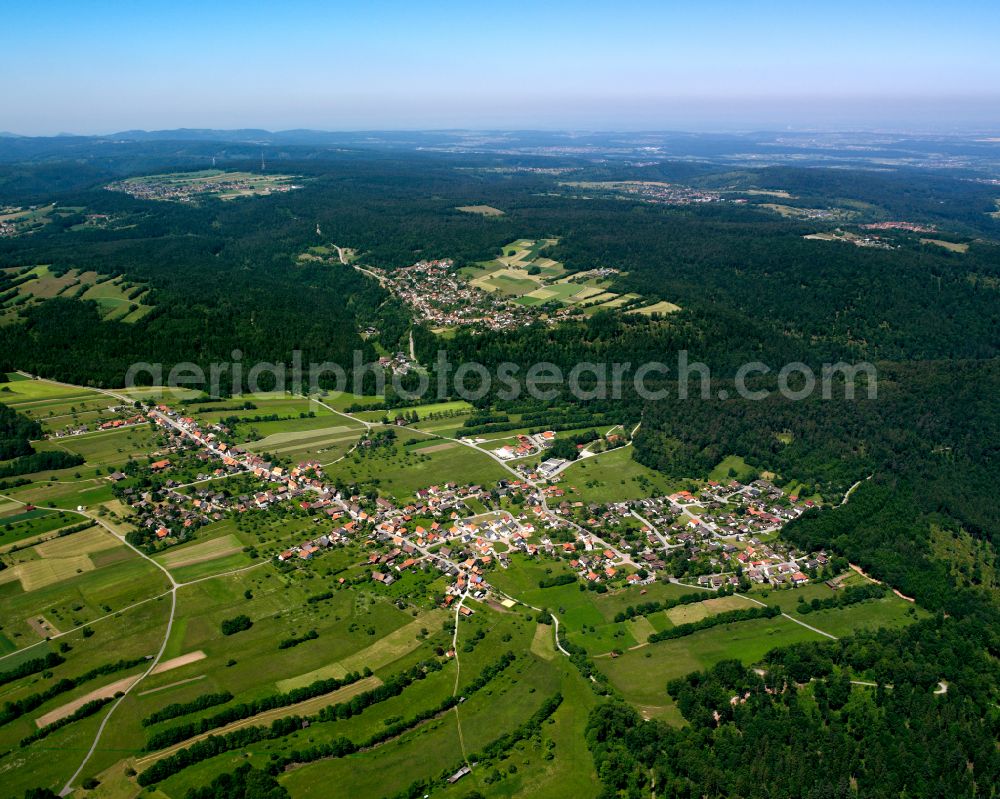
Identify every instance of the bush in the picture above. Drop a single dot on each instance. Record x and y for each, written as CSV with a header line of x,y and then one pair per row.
x,y
236,624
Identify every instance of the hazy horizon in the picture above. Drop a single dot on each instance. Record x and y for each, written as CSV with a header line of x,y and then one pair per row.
x,y
102,67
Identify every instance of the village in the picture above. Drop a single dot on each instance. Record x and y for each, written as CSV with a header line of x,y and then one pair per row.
x,y
442,298
721,535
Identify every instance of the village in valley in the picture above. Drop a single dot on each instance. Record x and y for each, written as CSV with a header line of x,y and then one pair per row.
x,y
367,536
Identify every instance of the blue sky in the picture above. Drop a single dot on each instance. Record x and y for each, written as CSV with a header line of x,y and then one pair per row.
x,y
96,66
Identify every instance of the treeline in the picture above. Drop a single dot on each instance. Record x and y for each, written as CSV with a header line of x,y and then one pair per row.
x,y
851,595
236,624
18,707
726,617
33,666
40,461
339,747
288,643
394,686
246,782
16,433
647,608
556,580
177,709
244,710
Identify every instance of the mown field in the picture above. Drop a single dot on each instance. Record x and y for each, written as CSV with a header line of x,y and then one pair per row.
x,y
614,476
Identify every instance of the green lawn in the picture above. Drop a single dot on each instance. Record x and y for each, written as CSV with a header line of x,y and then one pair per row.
x,y
642,674
399,470
732,467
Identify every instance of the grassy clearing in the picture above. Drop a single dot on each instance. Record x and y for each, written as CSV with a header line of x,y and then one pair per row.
x,y
482,210
191,186
732,467
543,643
116,298
641,628
23,390
746,641
613,476
398,471
951,246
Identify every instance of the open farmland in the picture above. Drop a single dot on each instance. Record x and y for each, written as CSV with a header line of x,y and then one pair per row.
x,y
524,274
116,298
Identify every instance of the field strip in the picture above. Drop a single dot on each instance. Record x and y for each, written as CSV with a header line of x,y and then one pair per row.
x,y
302,708
790,618
103,692
41,538
436,447
112,688
383,652
641,628
315,444
696,611
199,553
172,685
290,436
543,643
94,539
177,662
35,574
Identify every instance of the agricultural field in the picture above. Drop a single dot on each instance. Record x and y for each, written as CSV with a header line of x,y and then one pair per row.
x,y
524,274
189,187
106,447
116,298
18,525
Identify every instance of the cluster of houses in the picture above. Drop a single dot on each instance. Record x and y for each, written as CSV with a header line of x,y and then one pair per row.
x,y
441,297
665,193
910,227
399,363
188,191
125,417
526,445
722,525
